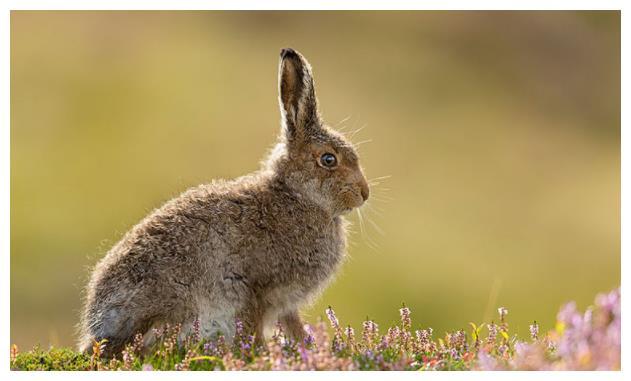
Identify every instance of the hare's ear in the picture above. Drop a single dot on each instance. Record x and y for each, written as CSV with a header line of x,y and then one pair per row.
x,y
298,103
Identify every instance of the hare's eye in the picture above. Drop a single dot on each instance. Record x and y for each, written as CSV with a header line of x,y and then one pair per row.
x,y
328,160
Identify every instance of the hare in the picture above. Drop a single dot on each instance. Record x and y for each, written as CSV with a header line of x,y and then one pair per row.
x,y
255,248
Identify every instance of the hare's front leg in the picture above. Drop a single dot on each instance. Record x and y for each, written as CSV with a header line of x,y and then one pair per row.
x,y
293,325
251,316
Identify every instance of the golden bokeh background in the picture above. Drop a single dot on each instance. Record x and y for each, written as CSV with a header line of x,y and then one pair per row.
x,y
500,131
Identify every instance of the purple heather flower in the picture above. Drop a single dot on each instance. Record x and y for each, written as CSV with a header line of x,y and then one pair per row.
x,y
332,318
209,347
534,330
350,333
384,343
502,349
239,328
492,333
370,333
304,354
309,340
338,345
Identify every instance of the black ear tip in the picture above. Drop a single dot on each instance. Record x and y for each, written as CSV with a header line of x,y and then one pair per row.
x,y
287,52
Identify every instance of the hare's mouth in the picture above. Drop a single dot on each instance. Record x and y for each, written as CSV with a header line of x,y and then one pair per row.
x,y
346,211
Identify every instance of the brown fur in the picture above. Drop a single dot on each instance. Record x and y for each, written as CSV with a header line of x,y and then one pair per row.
x,y
255,248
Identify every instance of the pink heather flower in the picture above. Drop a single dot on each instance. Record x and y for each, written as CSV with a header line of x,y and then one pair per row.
x,y
393,334
609,302
196,331
406,340
147,367
138,343
550,345
128,358
350,333
534,330
221,345
457,340
406,322
521,348
529,357
157,332
370,332
487,362
567,313
423,338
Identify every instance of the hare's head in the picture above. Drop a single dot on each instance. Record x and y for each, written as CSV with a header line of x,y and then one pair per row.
x,y
314,160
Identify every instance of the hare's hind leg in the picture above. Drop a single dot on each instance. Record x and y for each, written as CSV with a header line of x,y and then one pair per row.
x,y
293,325
115,326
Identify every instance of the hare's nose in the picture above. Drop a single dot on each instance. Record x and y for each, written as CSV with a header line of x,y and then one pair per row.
x,y
365,191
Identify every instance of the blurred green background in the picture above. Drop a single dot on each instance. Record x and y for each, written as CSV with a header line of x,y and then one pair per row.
x,y
500,131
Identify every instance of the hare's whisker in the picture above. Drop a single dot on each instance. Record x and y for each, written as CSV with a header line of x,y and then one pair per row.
x,y
380,178
382,199
370,207
369,241
340,122
355,132
362,142
377,228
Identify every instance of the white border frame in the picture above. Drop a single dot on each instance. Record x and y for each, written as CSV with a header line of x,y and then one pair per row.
x,y
292,5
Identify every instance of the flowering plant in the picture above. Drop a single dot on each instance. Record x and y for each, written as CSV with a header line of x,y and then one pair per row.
x,y
588,340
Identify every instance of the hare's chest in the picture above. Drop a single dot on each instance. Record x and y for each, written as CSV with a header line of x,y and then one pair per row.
x,y
306,277
287,298
305,268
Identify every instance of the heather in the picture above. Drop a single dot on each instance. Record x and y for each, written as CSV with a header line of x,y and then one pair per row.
x,y
581,340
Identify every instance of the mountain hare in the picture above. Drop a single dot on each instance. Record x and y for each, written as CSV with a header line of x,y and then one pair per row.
x,y
255,248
